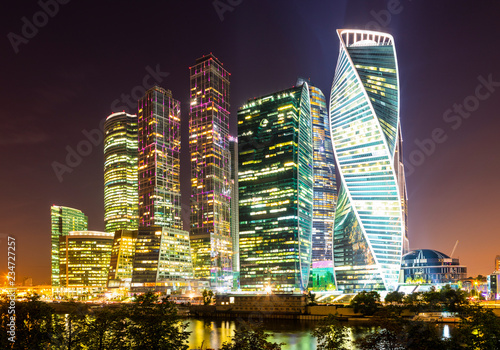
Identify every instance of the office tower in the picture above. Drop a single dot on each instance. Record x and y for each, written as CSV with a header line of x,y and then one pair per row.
x,y
325,186
275,169
122,258
235,216
84,257
120,172
364,115
210,231
159,159
63,220
161,260
497,263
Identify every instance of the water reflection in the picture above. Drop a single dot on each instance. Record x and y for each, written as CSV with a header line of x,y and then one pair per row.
x,y
296,334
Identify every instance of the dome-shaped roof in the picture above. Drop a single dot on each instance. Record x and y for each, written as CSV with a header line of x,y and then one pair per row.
x,y
424,254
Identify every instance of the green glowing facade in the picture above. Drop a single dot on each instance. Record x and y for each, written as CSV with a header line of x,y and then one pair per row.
x,y
370,221
85,257
120,172
63,220
210,230
275,171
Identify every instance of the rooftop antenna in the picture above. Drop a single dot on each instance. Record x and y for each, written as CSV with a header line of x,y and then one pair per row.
x,y
453,251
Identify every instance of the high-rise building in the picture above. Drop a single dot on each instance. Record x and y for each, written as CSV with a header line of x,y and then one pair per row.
x,y
159,132
275,170
210,230
235,216
162,258
370,231
84,257
497,263
325,185
120,172
63,220
122,258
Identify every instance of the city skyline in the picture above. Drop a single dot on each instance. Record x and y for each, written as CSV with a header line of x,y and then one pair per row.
x,y
436,76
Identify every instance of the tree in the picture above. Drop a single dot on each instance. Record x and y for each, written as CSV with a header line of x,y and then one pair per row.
x,y
250,337
479,328
398,334
453,300
154,325
366,302
312,298
207,297
105,329
394,297
331,334
33,324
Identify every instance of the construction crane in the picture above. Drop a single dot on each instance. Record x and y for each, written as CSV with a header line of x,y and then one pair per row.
x,y
453,251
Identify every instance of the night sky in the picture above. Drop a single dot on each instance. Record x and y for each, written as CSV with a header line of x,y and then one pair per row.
x,y
71,71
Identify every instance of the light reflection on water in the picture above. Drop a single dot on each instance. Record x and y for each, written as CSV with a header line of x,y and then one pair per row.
x,y
296,334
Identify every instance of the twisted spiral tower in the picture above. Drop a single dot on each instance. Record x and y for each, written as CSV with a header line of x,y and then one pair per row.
x,y
370,223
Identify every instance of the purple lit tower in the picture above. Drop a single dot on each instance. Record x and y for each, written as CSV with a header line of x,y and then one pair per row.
x,y
210,232
159,129
162,260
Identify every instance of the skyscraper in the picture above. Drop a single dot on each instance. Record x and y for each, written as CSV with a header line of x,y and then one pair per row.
x,y
325,185
275,169
210,231
120,172
365,128
85,257
235,216
162,257
159,159
63,220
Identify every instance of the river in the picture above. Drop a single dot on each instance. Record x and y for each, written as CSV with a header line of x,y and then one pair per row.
x,y
296,334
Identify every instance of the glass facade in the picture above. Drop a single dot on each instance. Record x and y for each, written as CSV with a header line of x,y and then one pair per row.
x,y
85,257
162,259
122,258
275,179
210,231
325,186
63,220
370,231
235,216
120,172
431,266
159,133
162,250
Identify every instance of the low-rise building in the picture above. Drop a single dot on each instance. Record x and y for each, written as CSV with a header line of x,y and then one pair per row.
x,y
265,303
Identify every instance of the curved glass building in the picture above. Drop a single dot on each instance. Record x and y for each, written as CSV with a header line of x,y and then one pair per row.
x,y
120,172
370,221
